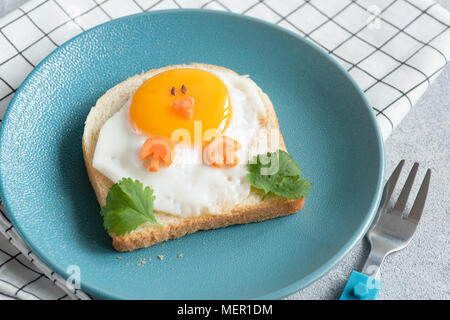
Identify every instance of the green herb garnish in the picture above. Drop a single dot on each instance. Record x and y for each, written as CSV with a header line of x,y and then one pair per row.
x,y
128,205
279,174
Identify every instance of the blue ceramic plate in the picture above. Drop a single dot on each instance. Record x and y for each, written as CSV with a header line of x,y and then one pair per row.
x,y
327,124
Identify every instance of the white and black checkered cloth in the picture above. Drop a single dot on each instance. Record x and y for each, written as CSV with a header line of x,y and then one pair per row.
x,y
394,49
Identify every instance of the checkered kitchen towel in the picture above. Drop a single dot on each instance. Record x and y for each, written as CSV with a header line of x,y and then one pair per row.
x,y
394,49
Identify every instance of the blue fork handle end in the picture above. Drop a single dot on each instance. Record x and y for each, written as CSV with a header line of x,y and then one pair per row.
x,y
361,287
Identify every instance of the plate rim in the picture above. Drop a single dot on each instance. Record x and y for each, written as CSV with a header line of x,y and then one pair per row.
x,y
279,293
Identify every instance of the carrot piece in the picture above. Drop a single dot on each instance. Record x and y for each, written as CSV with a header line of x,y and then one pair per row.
x,y
185,107
222,151
302,202
159,148
154,163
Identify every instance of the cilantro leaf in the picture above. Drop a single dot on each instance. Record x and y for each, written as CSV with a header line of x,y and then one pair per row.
x,y
292,187
128,205
279,174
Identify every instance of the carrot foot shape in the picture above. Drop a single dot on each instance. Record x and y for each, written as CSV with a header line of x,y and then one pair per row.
x,y
159,148
222,151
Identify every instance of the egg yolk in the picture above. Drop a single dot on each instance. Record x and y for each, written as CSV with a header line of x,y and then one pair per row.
x,y
154,111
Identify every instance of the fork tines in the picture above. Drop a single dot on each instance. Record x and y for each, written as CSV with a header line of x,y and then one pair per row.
x,y
419,203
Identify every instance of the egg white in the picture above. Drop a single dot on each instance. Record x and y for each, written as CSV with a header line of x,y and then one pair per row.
x,y
187,187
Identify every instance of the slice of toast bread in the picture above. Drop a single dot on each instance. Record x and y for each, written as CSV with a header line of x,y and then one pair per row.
x,y
252,209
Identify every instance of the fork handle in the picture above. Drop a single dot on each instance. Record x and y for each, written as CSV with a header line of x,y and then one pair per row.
x,y
361,287
374,261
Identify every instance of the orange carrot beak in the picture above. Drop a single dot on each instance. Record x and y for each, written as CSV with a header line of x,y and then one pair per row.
x,y
185,107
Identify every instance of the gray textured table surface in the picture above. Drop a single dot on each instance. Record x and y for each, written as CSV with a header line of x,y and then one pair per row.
x,y
422,270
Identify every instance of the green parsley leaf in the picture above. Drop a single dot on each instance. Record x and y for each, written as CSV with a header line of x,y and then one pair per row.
x,y
279,174
128,205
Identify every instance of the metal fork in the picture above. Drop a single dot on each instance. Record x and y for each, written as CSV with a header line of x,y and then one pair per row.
x,y
391,231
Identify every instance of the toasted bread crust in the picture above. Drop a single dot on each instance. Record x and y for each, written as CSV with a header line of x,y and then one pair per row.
x,y
174,226
151,236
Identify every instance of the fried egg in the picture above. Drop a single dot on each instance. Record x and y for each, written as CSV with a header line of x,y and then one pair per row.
x,y
219,103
